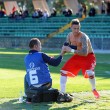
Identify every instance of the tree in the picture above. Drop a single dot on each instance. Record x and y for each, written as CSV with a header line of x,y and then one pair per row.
x,y
59,5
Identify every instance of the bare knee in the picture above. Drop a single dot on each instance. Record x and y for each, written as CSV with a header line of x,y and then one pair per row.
x,y
90,73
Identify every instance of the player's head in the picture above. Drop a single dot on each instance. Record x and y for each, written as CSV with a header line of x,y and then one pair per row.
x,y
35,44
75,26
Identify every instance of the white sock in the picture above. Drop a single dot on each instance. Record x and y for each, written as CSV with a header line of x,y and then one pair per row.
x,y
92,82
63,80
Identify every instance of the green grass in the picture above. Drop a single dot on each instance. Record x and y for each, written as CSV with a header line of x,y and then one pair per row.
x,y
12,72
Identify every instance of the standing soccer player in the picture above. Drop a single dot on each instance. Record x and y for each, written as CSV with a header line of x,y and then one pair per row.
x,y
83,59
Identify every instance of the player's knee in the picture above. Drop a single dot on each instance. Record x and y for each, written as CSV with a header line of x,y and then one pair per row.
x,y
63,73
90,73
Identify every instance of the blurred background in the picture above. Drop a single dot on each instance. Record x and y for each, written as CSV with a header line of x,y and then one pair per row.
x,y
49,20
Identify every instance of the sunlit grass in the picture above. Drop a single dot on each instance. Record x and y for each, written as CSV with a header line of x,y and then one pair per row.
x,y
12,73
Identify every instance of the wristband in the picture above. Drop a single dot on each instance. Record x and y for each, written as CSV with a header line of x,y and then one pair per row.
x,y
66,44
73,47
72,50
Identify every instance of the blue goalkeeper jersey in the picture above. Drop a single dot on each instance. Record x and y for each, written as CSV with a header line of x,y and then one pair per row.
x,y
37,70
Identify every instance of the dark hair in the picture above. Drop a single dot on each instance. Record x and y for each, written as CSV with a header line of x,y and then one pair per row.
x,y
75,22
33,41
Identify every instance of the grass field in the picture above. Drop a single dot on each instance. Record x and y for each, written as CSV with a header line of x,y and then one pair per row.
x,y
12,72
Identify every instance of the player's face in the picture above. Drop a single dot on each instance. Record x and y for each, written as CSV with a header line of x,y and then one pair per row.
x,y
39,46
75,29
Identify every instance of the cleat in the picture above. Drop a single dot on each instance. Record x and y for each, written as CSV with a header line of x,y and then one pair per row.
x,y
96,94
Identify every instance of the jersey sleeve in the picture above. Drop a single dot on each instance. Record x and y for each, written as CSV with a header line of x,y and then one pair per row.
x,y
50,60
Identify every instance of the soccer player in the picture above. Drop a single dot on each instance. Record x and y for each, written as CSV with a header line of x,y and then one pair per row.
x,y
83,57
38,76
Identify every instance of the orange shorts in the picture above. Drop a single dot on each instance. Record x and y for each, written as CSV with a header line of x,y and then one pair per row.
x,y
77,63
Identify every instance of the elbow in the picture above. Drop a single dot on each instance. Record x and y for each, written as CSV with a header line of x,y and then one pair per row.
x,y
85,53
56,65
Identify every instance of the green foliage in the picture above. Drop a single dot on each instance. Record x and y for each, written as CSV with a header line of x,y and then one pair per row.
x,y
29,5
87,3
59,5
82,1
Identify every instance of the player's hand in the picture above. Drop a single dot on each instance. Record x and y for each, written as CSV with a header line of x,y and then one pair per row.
x,y
67,49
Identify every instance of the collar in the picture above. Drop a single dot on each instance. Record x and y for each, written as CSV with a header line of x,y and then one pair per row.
x,y
32,51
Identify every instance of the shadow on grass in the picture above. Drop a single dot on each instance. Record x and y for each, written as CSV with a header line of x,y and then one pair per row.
x,y
70,107
15,105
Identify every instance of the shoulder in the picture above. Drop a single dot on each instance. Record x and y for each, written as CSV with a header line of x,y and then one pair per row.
x,y
84,35
44,55
40,54
69,34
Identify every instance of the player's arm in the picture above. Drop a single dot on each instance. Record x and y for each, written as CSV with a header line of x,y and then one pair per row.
x,y
52,61
68,39
84,49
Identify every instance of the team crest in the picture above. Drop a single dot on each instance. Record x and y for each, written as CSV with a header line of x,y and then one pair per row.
x,y
31,65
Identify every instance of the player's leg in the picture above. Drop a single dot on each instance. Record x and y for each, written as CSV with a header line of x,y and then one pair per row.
x,y
70,69
65,74
91,76
44,87
26,89
63,80
92,81
26,86
88,67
